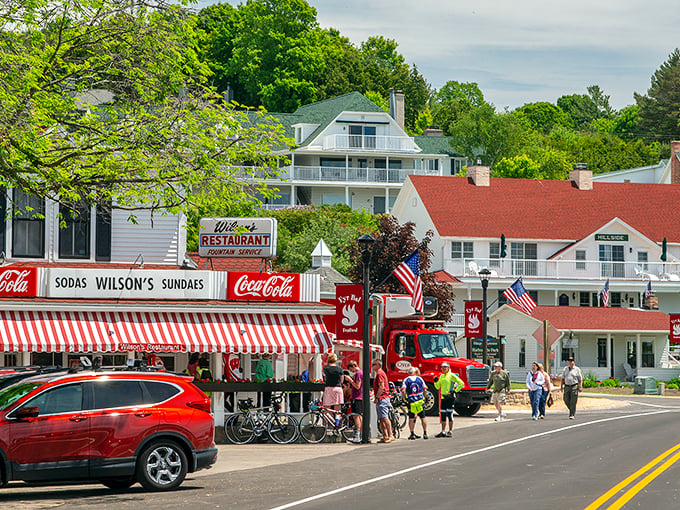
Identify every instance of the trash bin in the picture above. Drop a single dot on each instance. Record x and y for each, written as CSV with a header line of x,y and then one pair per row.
x,y
645,386
662,388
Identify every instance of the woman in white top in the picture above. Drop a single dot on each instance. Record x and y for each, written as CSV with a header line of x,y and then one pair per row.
x,y
535,382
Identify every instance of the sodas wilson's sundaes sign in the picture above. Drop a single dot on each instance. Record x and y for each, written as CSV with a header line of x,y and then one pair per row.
x,y
237,237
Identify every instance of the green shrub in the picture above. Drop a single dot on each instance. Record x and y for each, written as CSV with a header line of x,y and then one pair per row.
x,y
673,386
590,380
674,380
611,383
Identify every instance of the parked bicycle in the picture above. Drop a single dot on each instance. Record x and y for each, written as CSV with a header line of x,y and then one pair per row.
x,y
251,422
400,407
315,424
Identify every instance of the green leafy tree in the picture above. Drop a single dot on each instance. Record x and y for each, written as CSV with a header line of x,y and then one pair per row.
x,y
660,107
452,100
395,242
544,116
161,139
481,133
584,108
518,167
378,99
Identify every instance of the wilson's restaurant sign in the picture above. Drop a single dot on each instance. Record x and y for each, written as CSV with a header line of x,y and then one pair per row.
x,y
237,237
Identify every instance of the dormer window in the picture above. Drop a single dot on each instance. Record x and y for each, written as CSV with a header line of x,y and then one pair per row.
x,y
298,134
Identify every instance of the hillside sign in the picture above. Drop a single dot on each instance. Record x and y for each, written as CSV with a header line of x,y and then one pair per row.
x,y
237,237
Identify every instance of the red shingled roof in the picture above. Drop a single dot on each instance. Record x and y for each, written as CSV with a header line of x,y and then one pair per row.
x,y
587,318
226,263
445,277
547,209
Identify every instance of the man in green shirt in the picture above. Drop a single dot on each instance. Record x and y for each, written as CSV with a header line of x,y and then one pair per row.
x,y
500,380
447,383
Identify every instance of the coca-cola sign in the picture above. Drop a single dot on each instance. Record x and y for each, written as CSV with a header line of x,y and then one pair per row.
x,y
19,281
263,286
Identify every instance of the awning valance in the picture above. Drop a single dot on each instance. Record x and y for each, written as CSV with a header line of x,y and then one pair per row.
x,y
58,331
359,345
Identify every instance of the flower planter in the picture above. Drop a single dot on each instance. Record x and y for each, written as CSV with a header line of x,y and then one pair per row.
x,y
235,387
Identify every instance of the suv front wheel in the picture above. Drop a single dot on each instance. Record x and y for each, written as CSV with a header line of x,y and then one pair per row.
x,y
162,466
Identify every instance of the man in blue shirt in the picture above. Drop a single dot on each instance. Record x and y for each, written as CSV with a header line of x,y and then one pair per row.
x,y
414,391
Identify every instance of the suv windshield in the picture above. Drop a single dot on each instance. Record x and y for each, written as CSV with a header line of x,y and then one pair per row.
x,y
13,393
436,345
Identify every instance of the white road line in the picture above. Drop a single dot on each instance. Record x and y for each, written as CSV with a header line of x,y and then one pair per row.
x,y
458,456
652,405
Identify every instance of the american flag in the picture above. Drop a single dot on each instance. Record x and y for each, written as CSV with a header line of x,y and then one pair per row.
x,y
518,295
648,291
605,294
408,273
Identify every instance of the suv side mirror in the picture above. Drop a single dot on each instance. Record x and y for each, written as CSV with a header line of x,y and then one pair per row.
x,y
27,412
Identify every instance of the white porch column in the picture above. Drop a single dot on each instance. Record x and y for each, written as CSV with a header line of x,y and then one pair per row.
x,y
217,399
347,196
610,355
292,194
387,200
557,298
638,352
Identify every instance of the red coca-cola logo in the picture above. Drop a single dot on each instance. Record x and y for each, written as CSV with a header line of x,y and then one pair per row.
x,y
264,287
19,282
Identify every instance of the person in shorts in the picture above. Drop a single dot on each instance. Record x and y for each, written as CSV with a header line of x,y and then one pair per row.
x,y
500,381
447,383
381,394
414,391
357,396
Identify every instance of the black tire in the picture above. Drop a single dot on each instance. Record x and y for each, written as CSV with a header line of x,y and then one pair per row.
x,y
283,428
348,428
466,409
227,427
313,427
242,429
431,406
402,416
118,483
162,466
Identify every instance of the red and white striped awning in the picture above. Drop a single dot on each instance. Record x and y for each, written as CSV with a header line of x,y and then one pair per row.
x,y
360,345
58,331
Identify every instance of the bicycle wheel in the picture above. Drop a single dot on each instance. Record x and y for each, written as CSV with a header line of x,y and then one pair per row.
x,y
402,416
348,428
283,428
242,429
395,423
227,427
312,427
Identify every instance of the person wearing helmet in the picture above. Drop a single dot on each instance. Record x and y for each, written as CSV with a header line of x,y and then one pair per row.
x,y
448,384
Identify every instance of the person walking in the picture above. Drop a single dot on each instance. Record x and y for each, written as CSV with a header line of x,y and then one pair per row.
x,y
499,382
572,384
357,396
447,383
381,394
414,391
333,396
547,388
535,386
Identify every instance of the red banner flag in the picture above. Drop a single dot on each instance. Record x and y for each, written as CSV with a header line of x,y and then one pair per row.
x,y
473,319
349,311
675,328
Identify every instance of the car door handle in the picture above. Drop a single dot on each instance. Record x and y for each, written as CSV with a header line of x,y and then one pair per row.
x,y
143,414
80,417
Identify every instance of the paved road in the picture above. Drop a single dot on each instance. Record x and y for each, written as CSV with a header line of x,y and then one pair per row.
x,y
552,463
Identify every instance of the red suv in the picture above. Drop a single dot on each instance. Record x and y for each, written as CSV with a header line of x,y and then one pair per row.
x,y
114,427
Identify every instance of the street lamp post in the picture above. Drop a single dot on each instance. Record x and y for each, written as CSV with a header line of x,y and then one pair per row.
x,y
484,276
366,245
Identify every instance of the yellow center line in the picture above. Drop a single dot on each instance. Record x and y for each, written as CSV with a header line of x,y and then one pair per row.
x,y
607,495
627,496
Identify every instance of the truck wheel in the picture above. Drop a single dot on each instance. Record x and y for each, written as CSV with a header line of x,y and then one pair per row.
x,y
431,406
466,410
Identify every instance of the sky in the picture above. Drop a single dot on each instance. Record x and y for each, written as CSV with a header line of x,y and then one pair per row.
x,y
519,51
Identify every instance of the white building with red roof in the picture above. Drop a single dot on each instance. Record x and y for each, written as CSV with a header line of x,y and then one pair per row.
x,y
565,240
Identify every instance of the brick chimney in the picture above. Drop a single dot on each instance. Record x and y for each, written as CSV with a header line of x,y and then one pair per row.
x,y
675,162
397,106
433,132
479,175
582,177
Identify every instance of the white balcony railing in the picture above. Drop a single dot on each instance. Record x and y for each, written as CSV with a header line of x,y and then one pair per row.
x,y
370,143
351,174
564,269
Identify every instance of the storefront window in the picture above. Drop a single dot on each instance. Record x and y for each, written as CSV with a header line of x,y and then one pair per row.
x,y
601,352
648,354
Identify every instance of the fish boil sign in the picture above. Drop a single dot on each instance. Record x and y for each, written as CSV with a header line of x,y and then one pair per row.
x,y
237,237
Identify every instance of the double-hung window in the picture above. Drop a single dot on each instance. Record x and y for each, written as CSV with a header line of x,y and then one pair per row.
x,y
28,225
524,257
461,250
611,260
74,234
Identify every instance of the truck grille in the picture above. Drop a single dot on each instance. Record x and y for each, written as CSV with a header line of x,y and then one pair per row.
x,y
477,377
